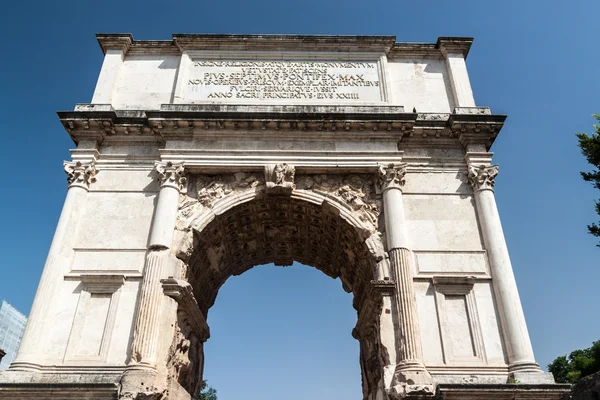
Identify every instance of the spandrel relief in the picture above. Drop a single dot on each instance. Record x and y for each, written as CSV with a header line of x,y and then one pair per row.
x,y
357,191
208,189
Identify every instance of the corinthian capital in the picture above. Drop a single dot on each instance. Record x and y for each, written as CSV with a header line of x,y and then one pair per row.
x,y
80,174
171,174
483,176
391,176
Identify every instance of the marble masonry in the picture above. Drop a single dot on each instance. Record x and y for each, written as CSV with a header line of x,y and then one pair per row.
x,y
202,156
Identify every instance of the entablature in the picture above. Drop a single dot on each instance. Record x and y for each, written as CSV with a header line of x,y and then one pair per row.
x,y
468,125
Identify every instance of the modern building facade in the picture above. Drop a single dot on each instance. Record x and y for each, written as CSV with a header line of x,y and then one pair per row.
x,y
202,156
12,326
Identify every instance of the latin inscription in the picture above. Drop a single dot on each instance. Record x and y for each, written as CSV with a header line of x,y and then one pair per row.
x,y
240,81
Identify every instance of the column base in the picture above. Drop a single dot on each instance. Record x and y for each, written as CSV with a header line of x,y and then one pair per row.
x,y
139,382
528,372
411,380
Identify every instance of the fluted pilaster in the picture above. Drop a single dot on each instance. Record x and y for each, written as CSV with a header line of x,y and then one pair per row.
x,y
145,337
411,376
158,265
409,347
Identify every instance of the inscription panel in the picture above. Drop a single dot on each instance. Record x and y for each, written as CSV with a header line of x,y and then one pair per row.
x,y
239,81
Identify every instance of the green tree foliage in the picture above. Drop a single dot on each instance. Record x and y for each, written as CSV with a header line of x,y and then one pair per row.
x,y
590,148
206,392
578,364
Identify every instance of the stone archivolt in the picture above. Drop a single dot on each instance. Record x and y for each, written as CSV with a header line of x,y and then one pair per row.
x,y
282,231
356,191
233,222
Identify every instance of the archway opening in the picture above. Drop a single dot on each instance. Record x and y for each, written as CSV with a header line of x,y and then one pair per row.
x,y
282,230
282,333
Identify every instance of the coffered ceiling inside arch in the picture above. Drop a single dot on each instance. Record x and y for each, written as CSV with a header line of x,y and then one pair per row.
x,y
280,230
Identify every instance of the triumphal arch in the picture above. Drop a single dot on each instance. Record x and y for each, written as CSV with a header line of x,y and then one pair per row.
x,y
205,155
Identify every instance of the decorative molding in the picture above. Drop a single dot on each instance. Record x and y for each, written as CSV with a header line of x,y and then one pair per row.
x,y
459,286
114,41
371,307
279,178
381,123
391,176
94,284
482,177
144,346
181,291
354,190
80,174
171,174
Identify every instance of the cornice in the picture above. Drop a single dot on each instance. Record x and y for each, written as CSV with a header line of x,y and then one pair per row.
x,y
173,121
284,42
453,44
181,42
473,128
118,41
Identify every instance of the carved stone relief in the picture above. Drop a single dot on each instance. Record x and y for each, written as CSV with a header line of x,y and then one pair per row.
x,y
357,191
482,176
80,174
277,228
205,190
279,178
391,175
186,356
171,174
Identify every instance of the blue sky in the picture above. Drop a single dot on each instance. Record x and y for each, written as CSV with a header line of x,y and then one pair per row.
x,y
286,332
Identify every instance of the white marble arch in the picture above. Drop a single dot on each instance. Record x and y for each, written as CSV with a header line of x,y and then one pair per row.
x,y
292,242
405,198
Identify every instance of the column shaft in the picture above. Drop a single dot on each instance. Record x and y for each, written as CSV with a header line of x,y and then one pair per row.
x,y
159,265
165,215
516,336
145,337
410,376
409,347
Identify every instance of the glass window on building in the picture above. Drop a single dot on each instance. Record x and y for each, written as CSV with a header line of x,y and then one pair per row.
x,y
12,326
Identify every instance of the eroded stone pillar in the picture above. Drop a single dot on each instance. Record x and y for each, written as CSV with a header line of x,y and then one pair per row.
x,y
516,336
410,377
79,176
158,265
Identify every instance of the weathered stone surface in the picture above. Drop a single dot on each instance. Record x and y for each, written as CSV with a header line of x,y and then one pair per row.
x,y
364,158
